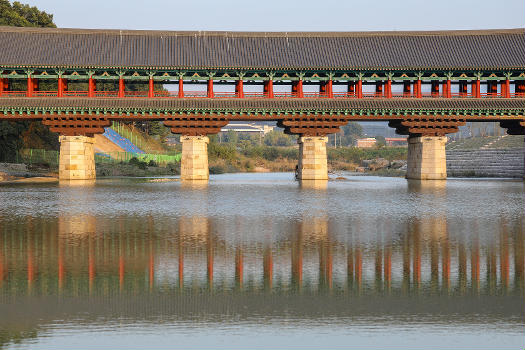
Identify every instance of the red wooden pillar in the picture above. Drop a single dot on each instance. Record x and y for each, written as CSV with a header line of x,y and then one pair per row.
x,y
388,89
239,88
60,92
91,87
151,88
210,88
181,88
476,88
379,89
29,91
447,86
329,89
462,88
435,88
359,91
121,87
505,88
297,89
268,88
352,89
407,88
417,89
2,80
325,89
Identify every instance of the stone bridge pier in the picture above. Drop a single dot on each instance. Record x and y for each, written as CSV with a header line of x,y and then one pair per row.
x,y
194,161
77,158
312,158
426,158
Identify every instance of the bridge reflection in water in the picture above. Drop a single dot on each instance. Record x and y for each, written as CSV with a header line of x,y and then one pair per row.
x,y
98,258
85,255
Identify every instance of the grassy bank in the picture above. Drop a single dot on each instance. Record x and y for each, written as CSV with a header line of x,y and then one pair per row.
x,y
227,158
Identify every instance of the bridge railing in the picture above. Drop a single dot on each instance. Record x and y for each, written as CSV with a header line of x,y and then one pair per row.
x,y
221,94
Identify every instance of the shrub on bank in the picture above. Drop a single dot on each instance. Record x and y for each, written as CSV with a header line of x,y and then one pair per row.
x,y
356,155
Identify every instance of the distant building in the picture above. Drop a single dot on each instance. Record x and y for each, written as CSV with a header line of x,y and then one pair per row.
x,y
367,142
396,141
248,128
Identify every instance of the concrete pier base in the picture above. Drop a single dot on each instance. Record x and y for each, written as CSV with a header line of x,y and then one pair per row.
x,y
77,158
312,158
427,158
194,162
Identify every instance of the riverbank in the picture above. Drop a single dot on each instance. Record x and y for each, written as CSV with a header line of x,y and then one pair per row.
x,y
23,173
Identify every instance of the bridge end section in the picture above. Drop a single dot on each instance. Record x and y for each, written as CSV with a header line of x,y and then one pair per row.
x,y
77,158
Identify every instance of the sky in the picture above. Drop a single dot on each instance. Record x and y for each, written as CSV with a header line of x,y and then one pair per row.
x,y
285,15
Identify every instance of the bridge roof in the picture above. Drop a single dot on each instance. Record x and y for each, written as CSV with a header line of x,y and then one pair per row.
x,y
441,50
263,104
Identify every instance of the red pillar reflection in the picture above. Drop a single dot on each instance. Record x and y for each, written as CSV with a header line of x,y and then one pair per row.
x,y
239,267
297,264
121,271
61,273
504,258
350,266
406,263
30,259
358,266
181,263
378,266
474,264
268,268
462,267
151,265
209,262
445,264
388,267
91,265
417,260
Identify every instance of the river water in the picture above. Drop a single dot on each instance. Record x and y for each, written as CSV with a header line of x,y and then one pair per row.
x,y
256,261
